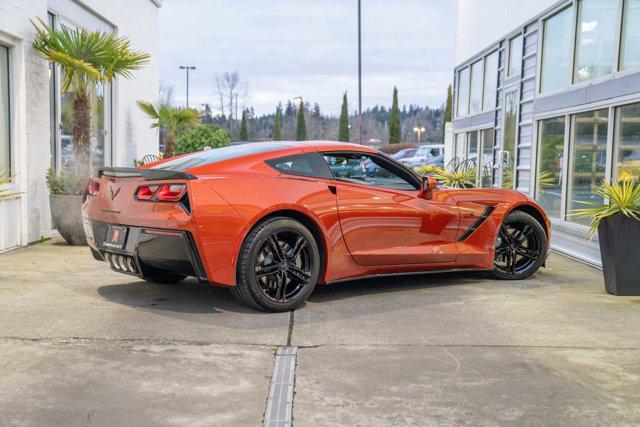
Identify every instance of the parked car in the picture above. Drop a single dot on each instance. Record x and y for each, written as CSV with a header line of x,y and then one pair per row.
x,y
372,169
422,155
271,220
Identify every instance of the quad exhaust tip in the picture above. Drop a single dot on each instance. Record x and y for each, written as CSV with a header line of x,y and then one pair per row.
x,y
123,263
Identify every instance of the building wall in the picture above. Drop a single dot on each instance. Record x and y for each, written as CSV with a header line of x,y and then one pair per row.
x,y
26,217
534,106
482,22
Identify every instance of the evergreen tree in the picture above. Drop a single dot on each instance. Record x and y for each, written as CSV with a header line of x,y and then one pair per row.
x,y
244,133
277,125
301,125
394,120
447,110
344,120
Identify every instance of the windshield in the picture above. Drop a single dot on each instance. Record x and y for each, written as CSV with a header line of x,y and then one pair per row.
x,y
202,158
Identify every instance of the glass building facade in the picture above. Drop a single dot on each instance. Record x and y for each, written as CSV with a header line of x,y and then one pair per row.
x,y
559,110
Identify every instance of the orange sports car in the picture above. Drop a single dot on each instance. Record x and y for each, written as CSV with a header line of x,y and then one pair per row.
x,y
271,220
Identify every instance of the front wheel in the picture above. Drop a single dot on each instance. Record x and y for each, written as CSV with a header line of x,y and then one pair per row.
x,y
278,266
521,247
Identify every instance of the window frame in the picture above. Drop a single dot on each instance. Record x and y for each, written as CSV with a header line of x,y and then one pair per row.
x,y
542,27
615,69
313,159
622,8
465,112
510,40
495,77
480,63
10,165
395,167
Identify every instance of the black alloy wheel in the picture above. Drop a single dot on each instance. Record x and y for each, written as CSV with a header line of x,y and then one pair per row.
x,y
283,265
278,266
521,247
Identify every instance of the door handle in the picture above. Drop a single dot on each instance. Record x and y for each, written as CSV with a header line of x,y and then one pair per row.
x,y
333,189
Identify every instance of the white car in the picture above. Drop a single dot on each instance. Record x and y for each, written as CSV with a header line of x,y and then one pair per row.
x,y
423,154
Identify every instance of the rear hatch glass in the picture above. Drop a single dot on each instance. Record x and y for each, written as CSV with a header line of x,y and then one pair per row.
x,y
202,158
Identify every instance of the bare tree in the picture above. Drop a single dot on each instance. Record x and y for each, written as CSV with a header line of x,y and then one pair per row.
x,y
228,85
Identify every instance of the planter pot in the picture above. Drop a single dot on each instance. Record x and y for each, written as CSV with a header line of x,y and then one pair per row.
x,y
619,238
66,213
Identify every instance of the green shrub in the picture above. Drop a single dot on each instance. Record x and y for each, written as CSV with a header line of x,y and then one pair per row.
x,y
63,183
200,136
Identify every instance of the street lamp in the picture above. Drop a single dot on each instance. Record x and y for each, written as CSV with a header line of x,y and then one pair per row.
x,y
359,72
187,67
419,131
298,101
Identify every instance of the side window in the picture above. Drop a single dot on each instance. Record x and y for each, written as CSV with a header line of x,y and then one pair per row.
x,y
370,170
310,164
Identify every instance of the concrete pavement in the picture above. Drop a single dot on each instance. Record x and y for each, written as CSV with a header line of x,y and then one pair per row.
x,y
81,345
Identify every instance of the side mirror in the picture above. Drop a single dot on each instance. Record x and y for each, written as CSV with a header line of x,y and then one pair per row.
x,y
428,185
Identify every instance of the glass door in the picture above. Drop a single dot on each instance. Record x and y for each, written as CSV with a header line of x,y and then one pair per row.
x,y
510,133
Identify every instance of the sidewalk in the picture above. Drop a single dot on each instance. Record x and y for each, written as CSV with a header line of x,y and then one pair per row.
x,y
82,345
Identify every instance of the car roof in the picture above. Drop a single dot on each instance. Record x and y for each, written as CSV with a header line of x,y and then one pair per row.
x,y
327,145
238,154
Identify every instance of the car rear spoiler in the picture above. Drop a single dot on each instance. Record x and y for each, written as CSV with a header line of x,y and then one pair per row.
x,y
147,174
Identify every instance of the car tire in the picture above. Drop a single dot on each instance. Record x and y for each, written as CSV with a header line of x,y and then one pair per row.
x,y
521,247
278,266
164,278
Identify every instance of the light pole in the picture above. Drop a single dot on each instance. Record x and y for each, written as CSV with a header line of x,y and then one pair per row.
x,y
419,131
187,67
359,72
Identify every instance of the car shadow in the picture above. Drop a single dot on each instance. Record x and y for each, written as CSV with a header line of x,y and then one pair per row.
x,y
389,284
188,296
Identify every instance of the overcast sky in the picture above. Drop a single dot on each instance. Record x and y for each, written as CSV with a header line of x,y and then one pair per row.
x,y
308,48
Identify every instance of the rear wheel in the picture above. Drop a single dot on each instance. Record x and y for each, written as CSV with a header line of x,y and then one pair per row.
x,y
278,266
521,247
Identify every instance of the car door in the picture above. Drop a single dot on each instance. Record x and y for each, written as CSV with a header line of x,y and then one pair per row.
x,y
384,220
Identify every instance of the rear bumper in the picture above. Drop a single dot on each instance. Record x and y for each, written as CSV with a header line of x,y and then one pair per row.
x,y
153,250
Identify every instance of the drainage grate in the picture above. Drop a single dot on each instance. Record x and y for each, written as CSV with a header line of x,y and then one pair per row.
x,y
280,401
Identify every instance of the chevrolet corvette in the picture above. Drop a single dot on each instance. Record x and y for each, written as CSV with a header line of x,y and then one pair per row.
x,y
271,220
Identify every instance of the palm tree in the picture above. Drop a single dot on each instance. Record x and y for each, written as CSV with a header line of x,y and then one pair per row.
x,y
173,119
86,58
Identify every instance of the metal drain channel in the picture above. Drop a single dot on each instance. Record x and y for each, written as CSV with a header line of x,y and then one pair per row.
x,y
280,401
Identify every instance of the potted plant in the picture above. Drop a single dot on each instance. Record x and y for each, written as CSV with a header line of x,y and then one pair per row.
x,y
617,222
457,178
86,59
65,199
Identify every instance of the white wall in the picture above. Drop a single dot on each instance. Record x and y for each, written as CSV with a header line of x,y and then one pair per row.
x,y
132,133
26,218
482,22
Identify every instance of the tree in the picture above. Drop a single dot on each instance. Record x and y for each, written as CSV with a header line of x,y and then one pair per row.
x,y
394,120
277,125
199,136
447,110
244,133
86,59
230,87
173,119
344,120
301,125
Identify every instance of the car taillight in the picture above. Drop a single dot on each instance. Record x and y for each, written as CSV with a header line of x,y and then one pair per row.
x,y
161,193
93,188
171,192
147,192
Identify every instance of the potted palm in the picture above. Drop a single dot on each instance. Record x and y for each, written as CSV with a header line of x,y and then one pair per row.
x,y
173,118
86,59
617,222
